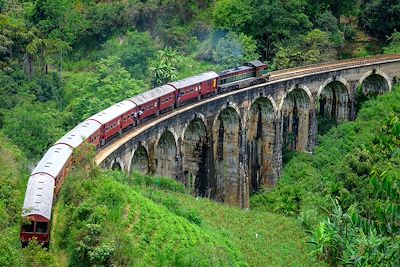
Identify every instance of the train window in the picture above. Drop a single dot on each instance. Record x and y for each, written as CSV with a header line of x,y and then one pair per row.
x,y
41,227
27,227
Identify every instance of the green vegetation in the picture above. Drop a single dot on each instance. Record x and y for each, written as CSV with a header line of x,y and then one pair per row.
x,y
347,192
118,220
61,61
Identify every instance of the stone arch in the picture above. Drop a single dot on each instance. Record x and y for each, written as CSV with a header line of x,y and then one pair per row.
x,y
371,84
140,160
229,105
226,150
375,83
166,155
260,142
295,111
334,100
117,164
194,148
197,116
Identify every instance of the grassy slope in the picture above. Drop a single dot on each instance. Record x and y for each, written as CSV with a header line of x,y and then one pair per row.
x,y
265,239
158,224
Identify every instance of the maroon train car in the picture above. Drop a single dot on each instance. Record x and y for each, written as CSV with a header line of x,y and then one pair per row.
x,y
37,208
112,119
195,87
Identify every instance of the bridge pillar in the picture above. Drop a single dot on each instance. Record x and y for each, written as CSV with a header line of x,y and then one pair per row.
x,y
212,185
244,187
179,162
277,154
313,131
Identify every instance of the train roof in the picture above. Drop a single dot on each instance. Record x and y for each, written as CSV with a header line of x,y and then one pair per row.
x,y
54,160
256,63
206,76
112,112
152,94
234,70
39,195
81,132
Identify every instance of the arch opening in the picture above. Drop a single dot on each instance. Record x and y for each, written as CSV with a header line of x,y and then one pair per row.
x,y
260,143
116,166
226,133
166,154
372,86
140,161
295,122
195,157
333,106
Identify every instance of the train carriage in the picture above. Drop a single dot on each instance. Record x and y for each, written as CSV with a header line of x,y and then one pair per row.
x,y
88,130
146,105
154,101
112,119
37,208
167,97
195,87
55,163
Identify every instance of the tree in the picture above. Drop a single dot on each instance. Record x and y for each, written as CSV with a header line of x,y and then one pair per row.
x,y
235,49
164,68
135,51
314,47
380,17
394,44
112,83
33,127
232,15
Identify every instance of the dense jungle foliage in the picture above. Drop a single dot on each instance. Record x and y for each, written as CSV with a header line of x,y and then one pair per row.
x,y
63,60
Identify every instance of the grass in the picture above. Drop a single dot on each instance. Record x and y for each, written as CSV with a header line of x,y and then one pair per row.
x,y
150,221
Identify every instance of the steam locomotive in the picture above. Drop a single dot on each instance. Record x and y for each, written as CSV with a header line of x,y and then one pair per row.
x,y
48,176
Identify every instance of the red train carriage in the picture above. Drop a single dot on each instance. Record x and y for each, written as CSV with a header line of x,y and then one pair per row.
x,y
37,208
112,119
55,163
154,101
195,87
146,105
88,130
167,98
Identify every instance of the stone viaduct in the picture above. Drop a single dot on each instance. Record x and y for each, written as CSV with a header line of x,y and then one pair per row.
x,y
228,146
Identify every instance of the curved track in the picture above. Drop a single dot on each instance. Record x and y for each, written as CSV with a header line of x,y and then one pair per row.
x,y
276,76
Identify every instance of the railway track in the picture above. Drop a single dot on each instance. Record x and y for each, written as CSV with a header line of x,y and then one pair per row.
x,y
324,67
275,76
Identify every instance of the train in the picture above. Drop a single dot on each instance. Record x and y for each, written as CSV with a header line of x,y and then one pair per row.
x,y
48,176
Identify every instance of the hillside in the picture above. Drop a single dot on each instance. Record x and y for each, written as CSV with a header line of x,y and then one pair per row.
x,y
123,221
